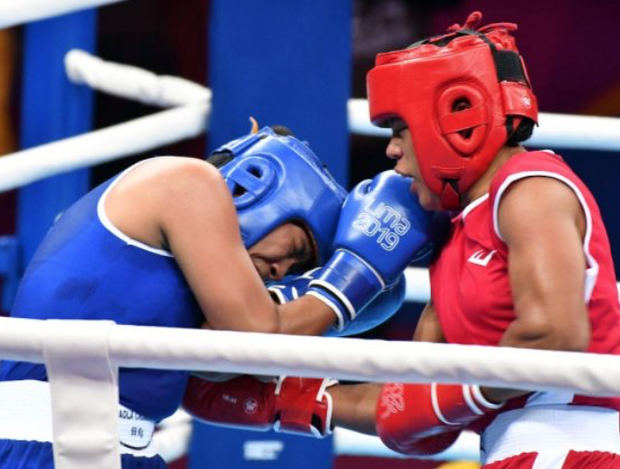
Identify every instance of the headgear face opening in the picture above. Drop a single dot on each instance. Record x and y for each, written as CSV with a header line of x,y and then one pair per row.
x,y
455,93
276,179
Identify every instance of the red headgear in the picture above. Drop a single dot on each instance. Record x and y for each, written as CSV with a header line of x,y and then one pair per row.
x,y
454,92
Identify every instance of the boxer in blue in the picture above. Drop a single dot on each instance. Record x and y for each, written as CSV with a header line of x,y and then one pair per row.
x,y
180,242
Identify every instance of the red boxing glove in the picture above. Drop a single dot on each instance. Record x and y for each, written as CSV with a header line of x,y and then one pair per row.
x,y
242,401
294,405
427,418
304,406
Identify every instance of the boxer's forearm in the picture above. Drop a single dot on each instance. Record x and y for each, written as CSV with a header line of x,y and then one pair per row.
x,y
355,405
305,316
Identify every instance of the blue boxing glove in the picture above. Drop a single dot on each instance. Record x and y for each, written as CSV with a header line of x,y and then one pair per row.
x,y
381,229
379,310
291,287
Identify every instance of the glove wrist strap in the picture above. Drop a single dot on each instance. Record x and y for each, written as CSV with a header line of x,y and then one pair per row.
x,y
348,283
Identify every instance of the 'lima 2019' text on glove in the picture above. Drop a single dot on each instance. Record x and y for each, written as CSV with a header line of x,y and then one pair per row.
x,y
381,229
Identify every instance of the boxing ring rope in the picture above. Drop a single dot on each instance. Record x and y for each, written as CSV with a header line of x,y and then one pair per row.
x,y
555,130
13,13
103,145
342,358
127,81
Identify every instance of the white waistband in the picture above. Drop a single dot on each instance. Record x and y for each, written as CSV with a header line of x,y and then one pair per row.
x,y
551,431
26,412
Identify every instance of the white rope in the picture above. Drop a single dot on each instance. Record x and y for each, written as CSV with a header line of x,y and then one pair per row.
x,y
14,12
99,146
576,132
418,285
554,130
131,82
353,359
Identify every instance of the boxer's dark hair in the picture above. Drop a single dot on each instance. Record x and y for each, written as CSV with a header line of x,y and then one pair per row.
x,y
282,130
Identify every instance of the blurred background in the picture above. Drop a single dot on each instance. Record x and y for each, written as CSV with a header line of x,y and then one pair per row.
x,y
253,53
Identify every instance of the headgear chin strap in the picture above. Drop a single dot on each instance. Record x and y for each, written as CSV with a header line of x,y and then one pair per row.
x,y
461,94
276,179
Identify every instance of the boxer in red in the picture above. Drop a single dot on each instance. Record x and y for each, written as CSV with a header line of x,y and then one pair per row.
x,y
527,262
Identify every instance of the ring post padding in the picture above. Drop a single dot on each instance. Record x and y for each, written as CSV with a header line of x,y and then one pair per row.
x,y
52,108
292,67
84,391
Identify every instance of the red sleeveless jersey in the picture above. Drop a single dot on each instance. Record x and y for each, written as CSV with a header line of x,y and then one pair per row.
x,y
470,287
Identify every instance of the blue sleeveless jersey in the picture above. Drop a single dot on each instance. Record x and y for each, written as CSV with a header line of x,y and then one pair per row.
x,y
85,270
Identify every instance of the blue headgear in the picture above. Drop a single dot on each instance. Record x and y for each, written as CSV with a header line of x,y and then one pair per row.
x,y
276,179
